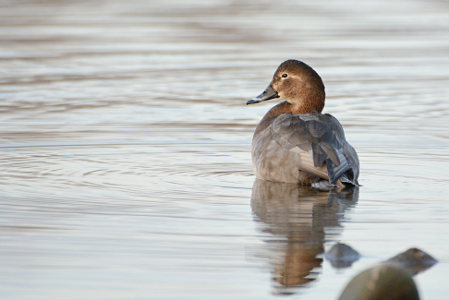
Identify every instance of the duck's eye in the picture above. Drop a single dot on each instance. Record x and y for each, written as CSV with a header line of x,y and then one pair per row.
x,y
284,75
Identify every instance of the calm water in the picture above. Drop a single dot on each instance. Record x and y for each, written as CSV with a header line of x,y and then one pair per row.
x,y
125,147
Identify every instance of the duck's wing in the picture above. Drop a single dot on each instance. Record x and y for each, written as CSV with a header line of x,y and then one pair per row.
x,y
320,141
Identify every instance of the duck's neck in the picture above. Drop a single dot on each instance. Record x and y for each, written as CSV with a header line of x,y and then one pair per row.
x,y
285,107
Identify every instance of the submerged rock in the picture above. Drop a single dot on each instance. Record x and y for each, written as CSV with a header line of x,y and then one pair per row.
x,y
384,281
414,260
341,255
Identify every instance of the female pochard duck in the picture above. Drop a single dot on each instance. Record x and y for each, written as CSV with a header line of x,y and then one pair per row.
x,y
295,142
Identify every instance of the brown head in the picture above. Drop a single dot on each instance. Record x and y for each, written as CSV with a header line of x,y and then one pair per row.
x,y
298,84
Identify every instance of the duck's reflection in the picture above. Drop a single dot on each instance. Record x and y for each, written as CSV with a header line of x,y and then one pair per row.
x,y
298,220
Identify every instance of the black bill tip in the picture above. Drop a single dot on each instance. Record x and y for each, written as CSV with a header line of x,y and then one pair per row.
x,y
252,101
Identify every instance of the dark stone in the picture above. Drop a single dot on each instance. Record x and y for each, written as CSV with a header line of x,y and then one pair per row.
x,y
414,259
341,255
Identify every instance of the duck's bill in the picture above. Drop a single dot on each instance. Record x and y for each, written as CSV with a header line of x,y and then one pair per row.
x,y
268,94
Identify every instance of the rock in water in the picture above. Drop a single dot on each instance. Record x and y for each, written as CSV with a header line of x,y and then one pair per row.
x,y
341,255
383,281
414,260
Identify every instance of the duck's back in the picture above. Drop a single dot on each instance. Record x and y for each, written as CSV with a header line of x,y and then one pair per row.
x,y
304,148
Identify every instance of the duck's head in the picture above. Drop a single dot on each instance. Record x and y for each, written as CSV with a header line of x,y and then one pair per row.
x,y
298,84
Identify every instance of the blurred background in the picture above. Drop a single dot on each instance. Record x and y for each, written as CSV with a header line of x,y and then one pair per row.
x,y
125,165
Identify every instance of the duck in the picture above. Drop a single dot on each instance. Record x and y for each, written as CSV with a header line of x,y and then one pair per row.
x,y
295,142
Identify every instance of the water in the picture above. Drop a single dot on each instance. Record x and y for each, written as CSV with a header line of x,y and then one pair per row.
x,y
125,147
